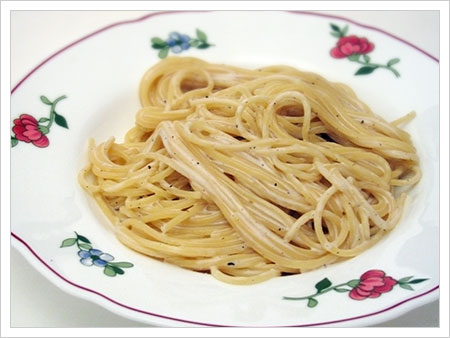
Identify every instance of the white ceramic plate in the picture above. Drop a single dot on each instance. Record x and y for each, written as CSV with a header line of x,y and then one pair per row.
x,y
99,75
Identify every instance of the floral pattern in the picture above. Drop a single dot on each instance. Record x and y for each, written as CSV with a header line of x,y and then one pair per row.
x,y
371,284
90,256
351,45
27,129
94,256
356,49
177,43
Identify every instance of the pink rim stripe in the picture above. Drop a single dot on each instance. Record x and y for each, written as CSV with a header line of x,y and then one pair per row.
x,y
208,324
98,293
174,12
178,319
91,35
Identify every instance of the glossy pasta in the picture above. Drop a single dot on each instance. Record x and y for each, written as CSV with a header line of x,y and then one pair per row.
x,y
251,174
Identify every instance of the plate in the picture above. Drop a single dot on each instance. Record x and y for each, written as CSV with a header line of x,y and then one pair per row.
x,y
96,80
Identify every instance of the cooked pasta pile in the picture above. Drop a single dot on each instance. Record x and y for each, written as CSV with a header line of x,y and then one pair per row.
x,y
251,174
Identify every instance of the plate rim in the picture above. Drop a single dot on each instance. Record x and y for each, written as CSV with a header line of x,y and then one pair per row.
x,y
424,298
382,315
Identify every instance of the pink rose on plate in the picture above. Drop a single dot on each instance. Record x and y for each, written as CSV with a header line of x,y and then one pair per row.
x,y
27,129
350,45
356,49
372,284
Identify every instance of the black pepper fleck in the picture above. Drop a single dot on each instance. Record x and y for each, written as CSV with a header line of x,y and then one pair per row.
x,y
149,167
230,264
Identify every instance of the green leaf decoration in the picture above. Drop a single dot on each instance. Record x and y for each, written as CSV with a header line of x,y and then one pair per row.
x,y
14,141
417,281
60,121
122,264
335,28
354,57
109,271
203,45
118,270
194,42
158,43
404,279
68,242
323,284
163,52
59,99
312,302
344,31
44,119
201,35
353,283
341,290
45,100
366,58
365,70
406,286
44,129
83,239
85,246
336,34
393,62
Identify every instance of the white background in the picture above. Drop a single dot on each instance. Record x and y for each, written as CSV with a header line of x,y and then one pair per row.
x,y
35,302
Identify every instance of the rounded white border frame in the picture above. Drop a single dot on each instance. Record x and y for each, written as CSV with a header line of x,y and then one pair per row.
x,y
122,309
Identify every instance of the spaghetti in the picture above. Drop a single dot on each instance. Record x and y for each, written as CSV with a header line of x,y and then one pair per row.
x,y
251,174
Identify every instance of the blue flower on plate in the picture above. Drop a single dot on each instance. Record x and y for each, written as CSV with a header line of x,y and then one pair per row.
x,y
178,42
90,256
94,257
